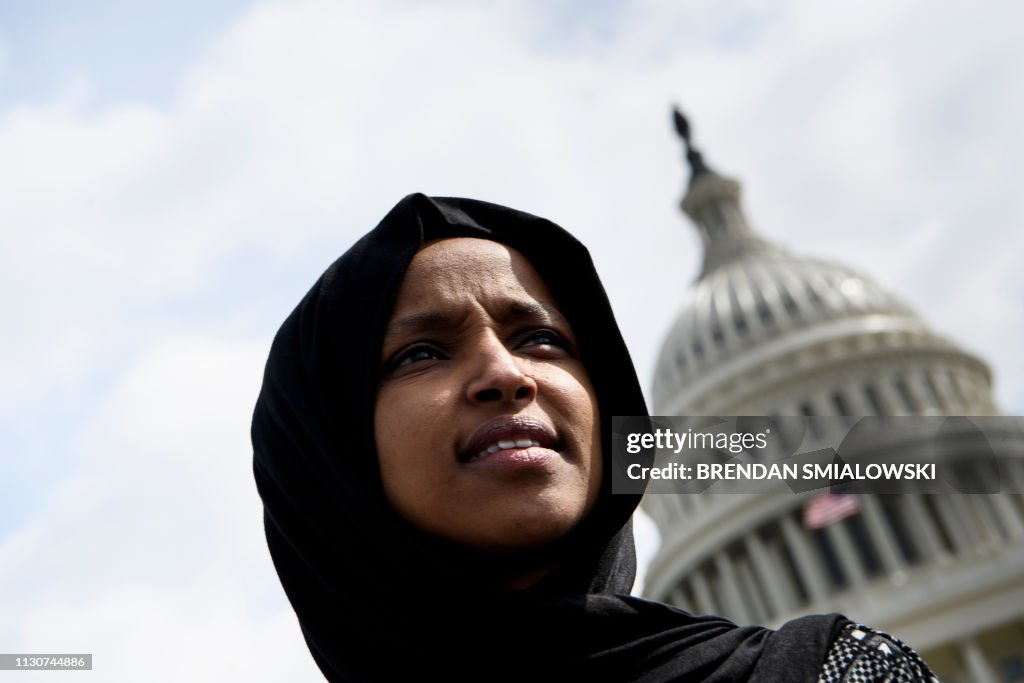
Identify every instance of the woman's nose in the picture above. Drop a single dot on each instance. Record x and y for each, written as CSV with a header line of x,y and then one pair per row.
x,y
499,377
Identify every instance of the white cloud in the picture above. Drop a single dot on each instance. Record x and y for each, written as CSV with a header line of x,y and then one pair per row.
x,y
151,549
139,632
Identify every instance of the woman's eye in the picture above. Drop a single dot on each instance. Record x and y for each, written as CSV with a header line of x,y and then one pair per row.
x,y
415,354
544,338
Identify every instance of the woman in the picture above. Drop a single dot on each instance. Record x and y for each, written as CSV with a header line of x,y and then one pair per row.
x,y
432,449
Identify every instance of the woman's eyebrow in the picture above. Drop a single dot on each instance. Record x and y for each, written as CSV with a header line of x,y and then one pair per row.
x,y
511,310
419,322
518,309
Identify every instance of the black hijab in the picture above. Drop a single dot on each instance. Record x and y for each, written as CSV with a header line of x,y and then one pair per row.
x,y
378,600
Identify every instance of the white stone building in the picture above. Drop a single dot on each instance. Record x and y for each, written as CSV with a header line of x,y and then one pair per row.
x,y
766,332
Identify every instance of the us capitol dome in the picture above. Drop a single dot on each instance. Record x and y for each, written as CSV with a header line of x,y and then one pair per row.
x,y
765,331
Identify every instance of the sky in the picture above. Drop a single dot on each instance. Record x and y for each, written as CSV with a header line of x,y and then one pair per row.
x,y
175,176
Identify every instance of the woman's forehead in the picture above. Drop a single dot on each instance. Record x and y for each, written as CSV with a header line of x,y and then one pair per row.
x,y
463,252
449,278
465,266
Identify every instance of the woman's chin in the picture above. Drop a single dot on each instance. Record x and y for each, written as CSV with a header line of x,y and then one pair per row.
x,y
518,557
522,532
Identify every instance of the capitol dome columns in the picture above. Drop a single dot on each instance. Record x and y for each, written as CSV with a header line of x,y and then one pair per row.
x,y
765,331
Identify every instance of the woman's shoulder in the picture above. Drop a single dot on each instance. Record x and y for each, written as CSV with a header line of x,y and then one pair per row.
x,y
826,648
865,655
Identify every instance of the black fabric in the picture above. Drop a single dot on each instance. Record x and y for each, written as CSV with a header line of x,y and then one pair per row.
x,y
378,600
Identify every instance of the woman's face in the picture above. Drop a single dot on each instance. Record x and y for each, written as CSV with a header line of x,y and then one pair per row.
x,y
486,423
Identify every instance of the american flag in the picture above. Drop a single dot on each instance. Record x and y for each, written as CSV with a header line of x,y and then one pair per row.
x,y
827,508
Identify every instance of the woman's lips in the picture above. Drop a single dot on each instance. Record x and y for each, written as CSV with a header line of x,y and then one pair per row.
x,y
504,445
515,458
512,441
